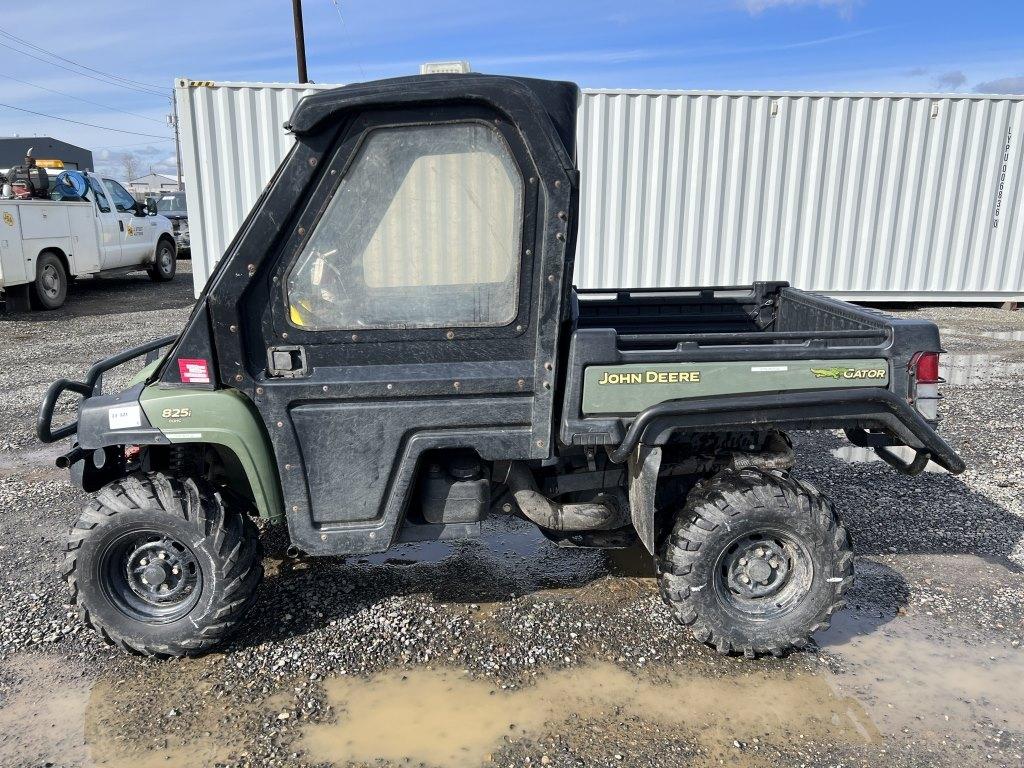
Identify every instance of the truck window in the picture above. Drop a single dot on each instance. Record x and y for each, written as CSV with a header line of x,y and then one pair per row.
x,y
423,231
123,200
97,194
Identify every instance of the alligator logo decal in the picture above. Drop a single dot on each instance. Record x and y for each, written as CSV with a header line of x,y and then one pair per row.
x,y
849,373
828,373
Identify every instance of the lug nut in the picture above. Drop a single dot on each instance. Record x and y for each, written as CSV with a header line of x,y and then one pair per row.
x,y
744,578
743,561
144,561
773,563
175,570
162,555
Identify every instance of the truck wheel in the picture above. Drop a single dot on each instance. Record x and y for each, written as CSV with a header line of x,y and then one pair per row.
x,y
158,566
756,562
50,288
164,263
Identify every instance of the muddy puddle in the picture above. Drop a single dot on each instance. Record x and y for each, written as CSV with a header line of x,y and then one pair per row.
x,y
445,718
894,678
50,718
913,677
518,554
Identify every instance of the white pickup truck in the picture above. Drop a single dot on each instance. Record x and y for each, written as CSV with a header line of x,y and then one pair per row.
x,y
45,243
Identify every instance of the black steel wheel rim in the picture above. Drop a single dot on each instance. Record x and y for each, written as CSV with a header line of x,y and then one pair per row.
x,y
151,577
763,574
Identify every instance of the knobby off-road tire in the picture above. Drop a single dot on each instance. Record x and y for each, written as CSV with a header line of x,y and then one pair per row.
x,y
158,566
756,562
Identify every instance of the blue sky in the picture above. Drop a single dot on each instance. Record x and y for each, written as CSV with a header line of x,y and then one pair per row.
x,y
818,45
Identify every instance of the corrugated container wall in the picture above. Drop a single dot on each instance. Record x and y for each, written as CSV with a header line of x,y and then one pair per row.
x,y
894,197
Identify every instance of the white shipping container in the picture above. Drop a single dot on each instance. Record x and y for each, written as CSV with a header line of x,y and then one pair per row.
x,y
860,196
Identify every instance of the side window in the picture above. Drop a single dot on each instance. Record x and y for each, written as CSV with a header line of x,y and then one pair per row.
x,y
123,200
98,195
423,231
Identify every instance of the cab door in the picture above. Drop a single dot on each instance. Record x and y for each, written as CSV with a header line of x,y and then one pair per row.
x,y
108,225
135,231
398,290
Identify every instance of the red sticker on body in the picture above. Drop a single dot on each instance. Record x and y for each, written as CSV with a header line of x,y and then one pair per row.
x,y
193,371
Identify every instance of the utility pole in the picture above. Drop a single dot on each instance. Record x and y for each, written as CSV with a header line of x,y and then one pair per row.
x,y
177,140
300,41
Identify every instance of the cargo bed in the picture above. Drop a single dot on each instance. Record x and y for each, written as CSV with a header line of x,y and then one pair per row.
x,y
718,358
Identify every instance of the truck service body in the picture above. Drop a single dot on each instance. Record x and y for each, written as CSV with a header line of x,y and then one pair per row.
x,y
45,243
368,395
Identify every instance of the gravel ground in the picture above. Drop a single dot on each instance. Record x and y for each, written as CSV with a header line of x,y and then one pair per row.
x,y
923,669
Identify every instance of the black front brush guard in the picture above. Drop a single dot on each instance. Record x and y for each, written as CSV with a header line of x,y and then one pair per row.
x,y
840,408
93,385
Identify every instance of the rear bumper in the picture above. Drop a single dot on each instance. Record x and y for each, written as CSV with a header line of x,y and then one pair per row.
x,y
850,409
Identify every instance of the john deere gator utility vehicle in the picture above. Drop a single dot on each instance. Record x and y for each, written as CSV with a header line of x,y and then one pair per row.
x,y
392,349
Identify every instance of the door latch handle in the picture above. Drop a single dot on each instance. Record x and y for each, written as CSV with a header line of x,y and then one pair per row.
x,y
120,224
286,362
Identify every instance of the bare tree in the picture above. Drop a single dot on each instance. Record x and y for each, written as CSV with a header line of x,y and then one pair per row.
x,y
130,166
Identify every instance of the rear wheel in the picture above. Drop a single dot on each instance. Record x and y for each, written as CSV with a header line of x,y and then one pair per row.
x,y
50,288
159,566
164,263
756,562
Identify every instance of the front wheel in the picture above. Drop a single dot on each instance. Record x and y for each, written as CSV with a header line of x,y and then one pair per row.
x,y
756,562
164,263
157,565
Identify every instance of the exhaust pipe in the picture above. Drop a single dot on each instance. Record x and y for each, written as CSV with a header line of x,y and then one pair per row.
x,y
572,516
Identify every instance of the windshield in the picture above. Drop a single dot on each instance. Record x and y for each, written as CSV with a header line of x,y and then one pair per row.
x,y
171,204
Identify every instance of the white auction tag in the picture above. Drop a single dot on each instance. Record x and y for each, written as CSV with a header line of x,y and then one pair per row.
x,y
125,416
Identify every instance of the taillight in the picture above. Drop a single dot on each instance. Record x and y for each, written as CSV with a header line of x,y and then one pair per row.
x,y
927,367
924,384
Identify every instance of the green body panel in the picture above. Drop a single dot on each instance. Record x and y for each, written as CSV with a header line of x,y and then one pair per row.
x,y
220,417
628,389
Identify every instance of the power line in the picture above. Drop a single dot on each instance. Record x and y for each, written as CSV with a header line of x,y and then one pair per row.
x,y
82,74
344,31
79,122
48,52
79,98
